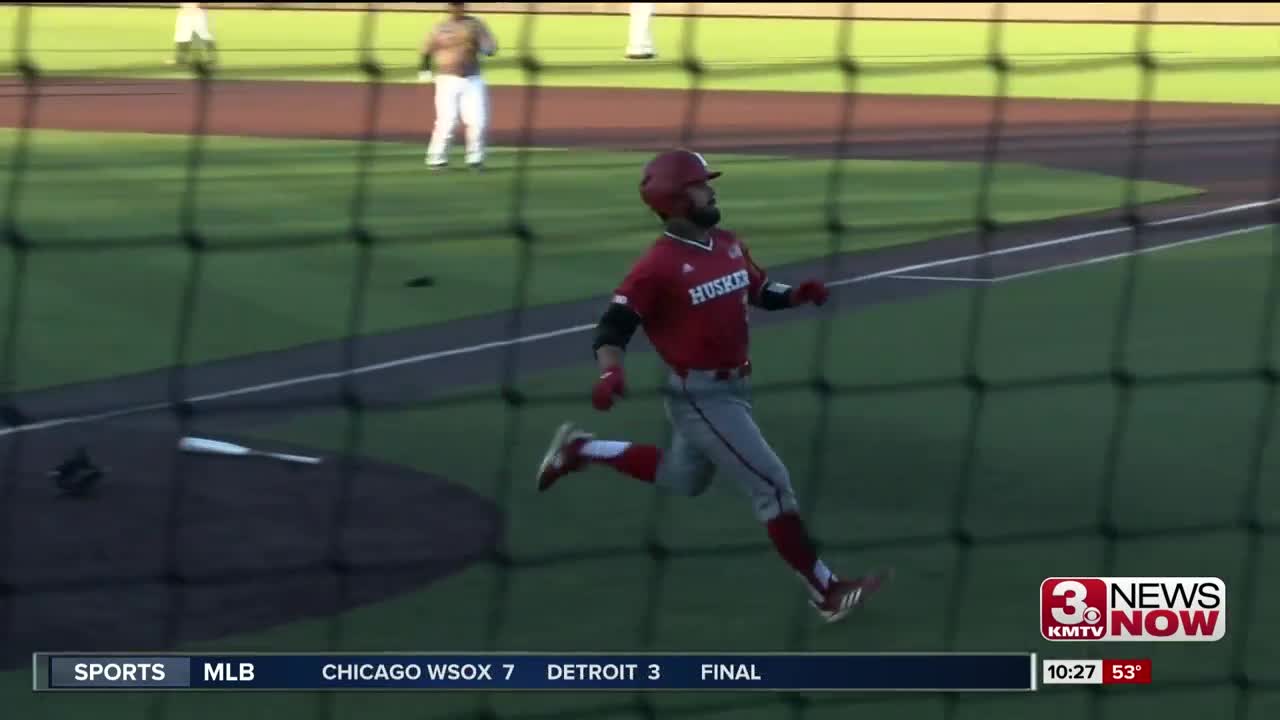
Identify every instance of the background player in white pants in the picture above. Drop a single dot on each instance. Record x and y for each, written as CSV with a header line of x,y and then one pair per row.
x,y
193,22
639,37
451,58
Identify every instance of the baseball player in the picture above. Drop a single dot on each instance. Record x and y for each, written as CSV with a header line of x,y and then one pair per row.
x,y
639,37
193,22
450,57
691,293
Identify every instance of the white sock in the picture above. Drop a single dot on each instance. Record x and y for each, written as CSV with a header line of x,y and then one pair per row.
x,y
823,574
603,449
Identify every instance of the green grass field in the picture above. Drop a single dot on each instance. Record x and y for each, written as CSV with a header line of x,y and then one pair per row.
x,y
452,227
741,54
890,470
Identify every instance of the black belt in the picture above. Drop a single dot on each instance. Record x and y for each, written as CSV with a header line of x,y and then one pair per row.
x,y
741,371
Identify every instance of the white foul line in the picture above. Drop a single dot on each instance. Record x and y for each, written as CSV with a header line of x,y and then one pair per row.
x,y
525,339
943,278
1128,253
1050,243
292,382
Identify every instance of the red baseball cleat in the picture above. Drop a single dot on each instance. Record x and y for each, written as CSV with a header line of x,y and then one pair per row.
x,y
562,455
843,596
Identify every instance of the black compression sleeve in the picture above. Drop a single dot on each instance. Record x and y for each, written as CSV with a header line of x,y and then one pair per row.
x,y
775,296
616,327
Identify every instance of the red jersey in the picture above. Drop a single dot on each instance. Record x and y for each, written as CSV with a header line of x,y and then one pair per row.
x,y
693,299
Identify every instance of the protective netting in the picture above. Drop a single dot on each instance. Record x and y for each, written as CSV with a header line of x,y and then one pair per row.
x,y
651,554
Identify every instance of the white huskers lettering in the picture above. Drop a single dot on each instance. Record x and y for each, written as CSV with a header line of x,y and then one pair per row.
x,y
719,287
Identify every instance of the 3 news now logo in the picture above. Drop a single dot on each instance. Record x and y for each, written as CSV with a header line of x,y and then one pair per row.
x,y
1180,609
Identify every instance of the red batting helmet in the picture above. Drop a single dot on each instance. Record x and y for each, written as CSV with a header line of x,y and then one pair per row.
x,y
667,176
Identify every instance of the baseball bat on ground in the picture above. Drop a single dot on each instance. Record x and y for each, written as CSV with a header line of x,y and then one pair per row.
x,y
206,446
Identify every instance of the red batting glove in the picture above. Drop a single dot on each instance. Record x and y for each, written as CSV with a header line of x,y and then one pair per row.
x,y
610,384
810,291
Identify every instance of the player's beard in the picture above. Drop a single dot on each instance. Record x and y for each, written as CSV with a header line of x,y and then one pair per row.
x,y
705,217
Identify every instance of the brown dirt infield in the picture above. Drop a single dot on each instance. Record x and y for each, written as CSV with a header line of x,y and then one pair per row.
x,y
597,117
214,545
110,564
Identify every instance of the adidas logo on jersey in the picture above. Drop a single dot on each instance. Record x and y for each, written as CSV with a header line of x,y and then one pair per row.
x,y
719,287
687,268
